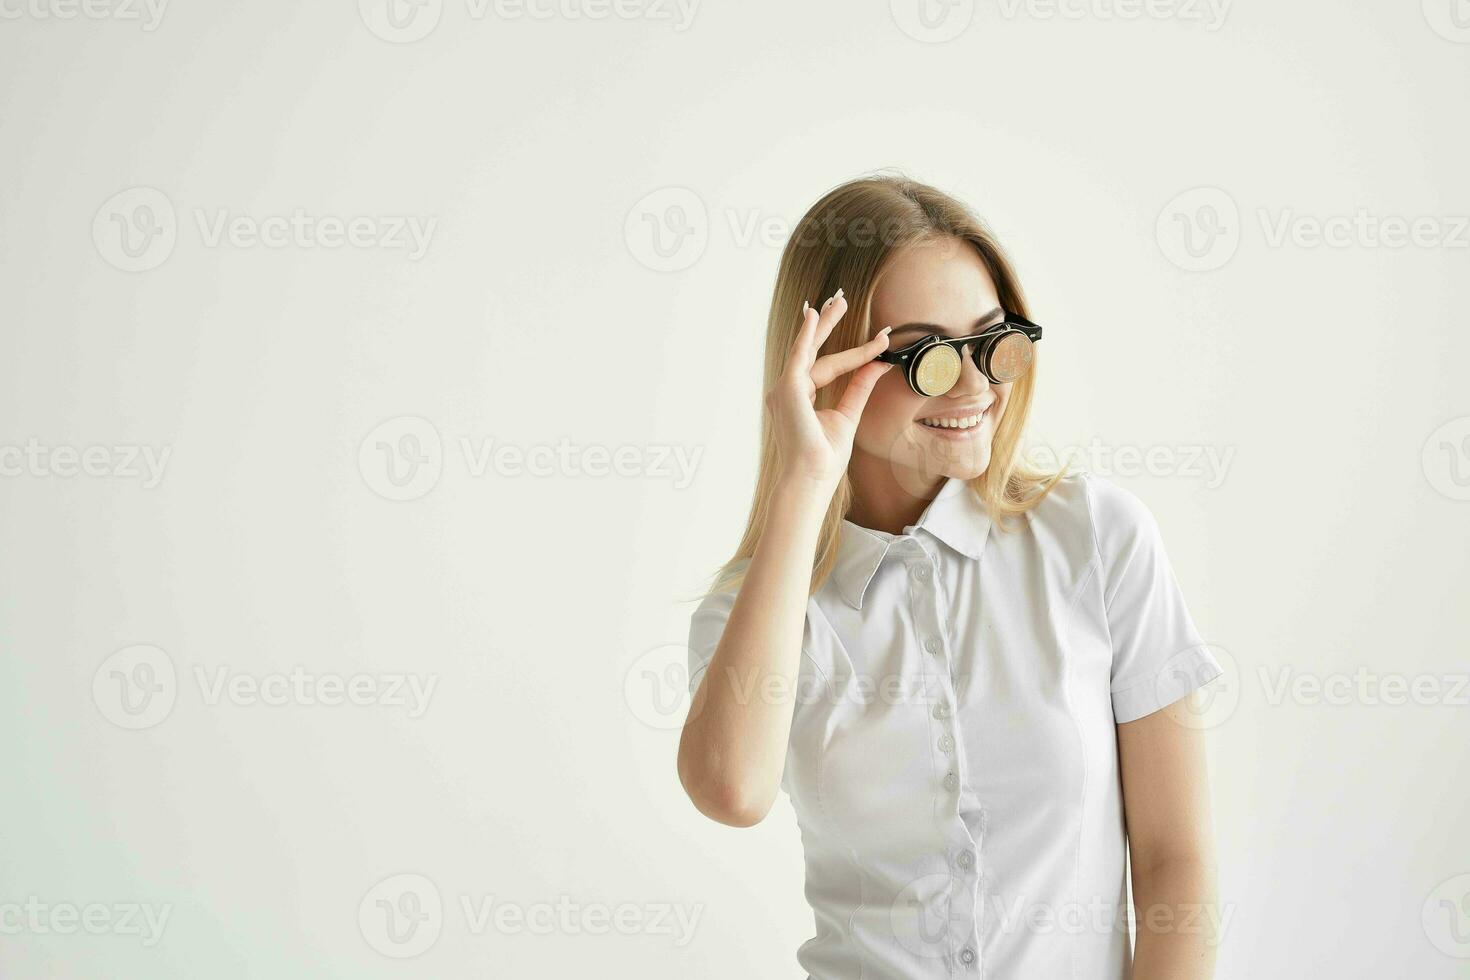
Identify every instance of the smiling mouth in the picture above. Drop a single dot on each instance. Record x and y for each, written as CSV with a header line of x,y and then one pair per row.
x,y
955,423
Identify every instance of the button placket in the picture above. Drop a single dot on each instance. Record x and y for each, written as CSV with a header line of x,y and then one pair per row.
x,y
959,849
929,622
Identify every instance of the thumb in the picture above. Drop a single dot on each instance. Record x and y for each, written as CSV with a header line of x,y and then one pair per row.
x,y
859,387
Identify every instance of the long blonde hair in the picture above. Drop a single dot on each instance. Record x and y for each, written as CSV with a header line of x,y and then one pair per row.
x,y
844,240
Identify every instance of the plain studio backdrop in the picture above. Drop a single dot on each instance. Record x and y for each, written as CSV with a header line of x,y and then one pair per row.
x,y
376,383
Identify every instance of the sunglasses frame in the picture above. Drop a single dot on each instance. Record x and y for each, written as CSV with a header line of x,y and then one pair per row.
x,y
909,355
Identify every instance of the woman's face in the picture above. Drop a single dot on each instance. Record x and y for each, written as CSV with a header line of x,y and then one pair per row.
x,y
946,284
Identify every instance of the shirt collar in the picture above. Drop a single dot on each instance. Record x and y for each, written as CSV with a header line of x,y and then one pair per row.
x,y
955,516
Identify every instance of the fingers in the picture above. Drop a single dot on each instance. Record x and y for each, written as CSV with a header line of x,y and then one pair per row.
x,y
834,365
816,327
832,311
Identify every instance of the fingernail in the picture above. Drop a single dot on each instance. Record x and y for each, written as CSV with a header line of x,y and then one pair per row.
x,y
885,330
839,292
804,307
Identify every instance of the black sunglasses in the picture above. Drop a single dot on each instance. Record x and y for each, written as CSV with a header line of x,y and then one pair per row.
x,y
1002,352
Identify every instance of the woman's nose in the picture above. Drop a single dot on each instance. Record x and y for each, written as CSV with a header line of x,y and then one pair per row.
x,y
971,378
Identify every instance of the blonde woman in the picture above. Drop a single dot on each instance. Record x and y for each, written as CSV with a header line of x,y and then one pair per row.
x,y
966,674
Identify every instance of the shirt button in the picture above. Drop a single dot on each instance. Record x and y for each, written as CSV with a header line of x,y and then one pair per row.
x,y
951,782
946,742
967,860
941,710
921,572
967,956
932,644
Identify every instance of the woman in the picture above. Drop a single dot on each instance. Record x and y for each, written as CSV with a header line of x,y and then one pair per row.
x,y
967,675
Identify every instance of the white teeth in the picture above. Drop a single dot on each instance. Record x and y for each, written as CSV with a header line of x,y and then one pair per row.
x,y
968,422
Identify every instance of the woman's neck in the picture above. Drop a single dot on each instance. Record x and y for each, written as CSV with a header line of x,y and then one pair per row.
x,y
886,498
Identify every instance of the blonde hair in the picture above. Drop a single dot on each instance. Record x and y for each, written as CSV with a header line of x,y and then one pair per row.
x,y
844,240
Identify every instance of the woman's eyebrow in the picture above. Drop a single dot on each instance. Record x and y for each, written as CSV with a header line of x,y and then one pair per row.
x,y
935,328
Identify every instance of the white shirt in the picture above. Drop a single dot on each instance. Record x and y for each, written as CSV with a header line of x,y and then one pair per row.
x,y
953,759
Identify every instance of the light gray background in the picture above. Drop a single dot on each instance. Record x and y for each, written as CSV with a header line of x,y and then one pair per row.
x,y
605,199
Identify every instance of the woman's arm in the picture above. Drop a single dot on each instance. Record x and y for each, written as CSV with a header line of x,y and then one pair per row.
x,y
733,747
1166,802
734,743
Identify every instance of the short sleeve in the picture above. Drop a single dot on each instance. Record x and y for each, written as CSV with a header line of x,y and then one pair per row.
x,y
706,627
1158,654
